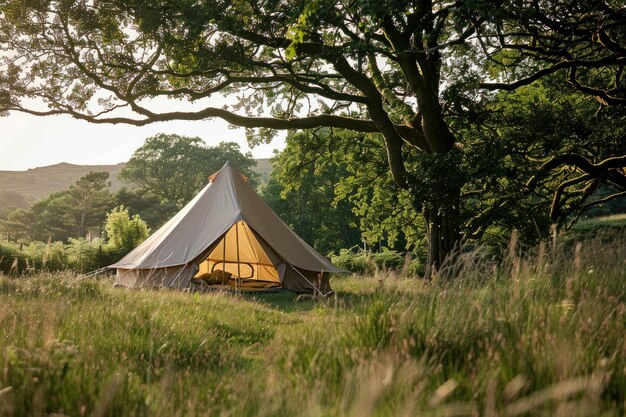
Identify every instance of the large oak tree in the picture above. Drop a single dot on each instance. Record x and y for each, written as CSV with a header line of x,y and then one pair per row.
x,y
401,69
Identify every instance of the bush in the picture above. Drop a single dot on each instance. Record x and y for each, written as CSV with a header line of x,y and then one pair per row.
x,y
363,262
85,256
354,260
388,259
125,232
79,255
11,258
40,256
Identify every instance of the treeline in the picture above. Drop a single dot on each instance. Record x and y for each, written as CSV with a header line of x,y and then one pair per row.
x,y
87,227
334,189
122,231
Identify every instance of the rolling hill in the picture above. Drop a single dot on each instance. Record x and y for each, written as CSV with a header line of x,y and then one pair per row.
x,y
37,183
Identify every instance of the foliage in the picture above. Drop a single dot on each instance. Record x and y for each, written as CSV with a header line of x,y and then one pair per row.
x,y
174,168
49,256
85,256
125,232
363,262
79,255
344,179
400,73
10,200
19,225
303,192
543,338
508,144
10,259
69,213
154,211
88,198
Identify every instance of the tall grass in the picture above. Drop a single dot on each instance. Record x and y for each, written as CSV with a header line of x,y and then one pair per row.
x,y
540,333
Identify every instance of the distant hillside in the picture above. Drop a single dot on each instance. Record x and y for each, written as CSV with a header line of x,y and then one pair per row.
x,y
37,183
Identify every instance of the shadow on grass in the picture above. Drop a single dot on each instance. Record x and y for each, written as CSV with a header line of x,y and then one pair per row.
x,y
283,301
289,302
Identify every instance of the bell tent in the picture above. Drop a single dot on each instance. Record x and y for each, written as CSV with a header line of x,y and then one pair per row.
x,y
227,231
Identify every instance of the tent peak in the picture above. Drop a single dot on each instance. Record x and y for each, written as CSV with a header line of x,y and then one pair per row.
x,y
214,176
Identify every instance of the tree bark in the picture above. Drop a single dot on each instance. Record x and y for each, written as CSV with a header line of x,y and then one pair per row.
x,y
443,232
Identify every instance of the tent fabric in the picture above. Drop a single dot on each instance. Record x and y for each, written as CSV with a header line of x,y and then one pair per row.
x,y
226,218
171,277
300,280
250,257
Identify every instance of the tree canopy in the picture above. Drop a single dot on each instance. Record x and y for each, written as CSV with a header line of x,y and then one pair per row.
x,y
303,191
174,168
65,214
404,70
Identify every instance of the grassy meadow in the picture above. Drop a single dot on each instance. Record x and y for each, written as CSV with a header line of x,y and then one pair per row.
x,y
535,335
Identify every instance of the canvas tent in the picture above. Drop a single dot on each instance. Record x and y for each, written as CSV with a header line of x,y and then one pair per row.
x,y
228,227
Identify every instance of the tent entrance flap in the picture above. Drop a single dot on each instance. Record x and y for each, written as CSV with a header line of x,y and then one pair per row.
x,y
240,253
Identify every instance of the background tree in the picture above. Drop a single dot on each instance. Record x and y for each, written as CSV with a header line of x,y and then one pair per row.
x,y
125,232
10,200
302,190
64,214
19,226
401,69
154,211
87,200
174,168
357,190
584,44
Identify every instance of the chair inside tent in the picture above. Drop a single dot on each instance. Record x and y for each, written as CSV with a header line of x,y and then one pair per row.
x,y
240,259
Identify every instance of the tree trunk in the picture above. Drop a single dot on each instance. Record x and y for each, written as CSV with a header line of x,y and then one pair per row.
x,y
81,227
443,232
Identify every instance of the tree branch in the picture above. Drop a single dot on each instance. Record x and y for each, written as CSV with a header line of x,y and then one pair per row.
x,y
596,170
612,60
343,122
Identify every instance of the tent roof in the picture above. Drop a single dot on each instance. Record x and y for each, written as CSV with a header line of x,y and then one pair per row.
x,y
223,202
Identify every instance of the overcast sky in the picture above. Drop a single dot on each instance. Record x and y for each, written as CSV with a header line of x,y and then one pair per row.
x,y
29,141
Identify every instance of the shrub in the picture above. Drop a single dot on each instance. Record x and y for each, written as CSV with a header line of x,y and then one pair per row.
x,y
11,258
388,259
123,231
366,263
354,260
79,255
40,256
85,256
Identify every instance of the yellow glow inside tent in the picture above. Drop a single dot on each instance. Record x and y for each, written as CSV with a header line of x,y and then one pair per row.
x,y
240,253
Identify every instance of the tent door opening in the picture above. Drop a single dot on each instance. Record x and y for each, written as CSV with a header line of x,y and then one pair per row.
x,y
240,259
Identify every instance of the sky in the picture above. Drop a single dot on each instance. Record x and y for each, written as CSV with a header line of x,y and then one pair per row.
x,y
30,141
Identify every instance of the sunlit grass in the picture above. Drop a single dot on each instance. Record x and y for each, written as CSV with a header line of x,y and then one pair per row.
x,y
540,334
614,221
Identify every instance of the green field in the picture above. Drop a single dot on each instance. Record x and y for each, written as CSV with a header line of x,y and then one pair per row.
x,y
616,221
536,335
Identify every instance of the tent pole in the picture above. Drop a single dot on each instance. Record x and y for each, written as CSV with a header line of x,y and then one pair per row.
x,y
224,253
238,264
